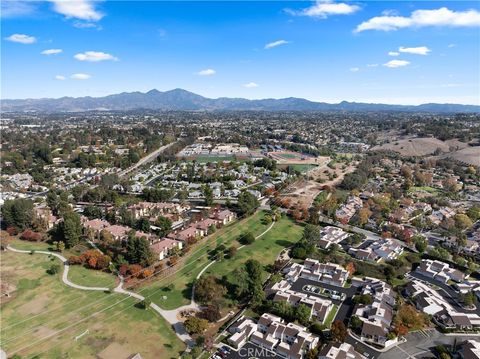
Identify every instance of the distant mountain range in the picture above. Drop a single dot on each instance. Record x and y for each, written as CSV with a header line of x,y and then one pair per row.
x,y
179,99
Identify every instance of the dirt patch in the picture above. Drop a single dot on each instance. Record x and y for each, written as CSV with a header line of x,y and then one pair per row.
x,y
43,331
302,193
115,351
468,155
327,176
420,146
36,305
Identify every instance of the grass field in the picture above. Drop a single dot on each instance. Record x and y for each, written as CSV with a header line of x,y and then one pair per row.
x,y
44,315
89,277
182,280
299,167
265,249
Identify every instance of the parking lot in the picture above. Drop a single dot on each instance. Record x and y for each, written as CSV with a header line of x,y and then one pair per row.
x,y
345,305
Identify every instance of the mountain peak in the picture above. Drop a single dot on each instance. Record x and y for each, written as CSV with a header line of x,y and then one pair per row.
x,y
183,100
152,92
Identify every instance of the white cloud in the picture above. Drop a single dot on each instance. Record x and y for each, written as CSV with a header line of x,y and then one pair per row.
x,y
206,72
451,45
94,56
17,8
393,53
372,65
78,9
421,50
420,18
251,85
396,63
21,38
51,51
271,45
80,76
86,25
354,69
60,77
324,8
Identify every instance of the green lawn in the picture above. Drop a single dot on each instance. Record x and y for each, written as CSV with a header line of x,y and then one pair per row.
x,y
265,249
331,316
198,259
89,277
38,317
300,167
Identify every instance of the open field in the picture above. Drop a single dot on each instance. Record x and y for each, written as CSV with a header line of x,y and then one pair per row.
x,y
419,146
181,281
290,158
265,249
44,315
299,167
468,155
303,192
332,176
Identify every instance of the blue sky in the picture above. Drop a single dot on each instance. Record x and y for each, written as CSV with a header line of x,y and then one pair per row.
x,y
406,52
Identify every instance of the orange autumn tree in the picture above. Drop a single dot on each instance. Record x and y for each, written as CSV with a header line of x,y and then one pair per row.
x,y
350,267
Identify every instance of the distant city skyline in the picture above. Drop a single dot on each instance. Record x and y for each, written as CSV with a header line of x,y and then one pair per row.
x,y
409,52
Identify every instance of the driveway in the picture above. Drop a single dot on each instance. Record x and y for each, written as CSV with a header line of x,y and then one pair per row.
x,y
446,292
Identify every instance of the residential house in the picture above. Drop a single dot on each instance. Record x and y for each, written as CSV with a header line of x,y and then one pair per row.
x,y
164,247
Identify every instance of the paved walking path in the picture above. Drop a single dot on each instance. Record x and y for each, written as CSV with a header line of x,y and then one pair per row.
x,y
166,314
171,316
65,271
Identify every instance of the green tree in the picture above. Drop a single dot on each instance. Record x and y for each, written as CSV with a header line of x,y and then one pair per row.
x,y
462,221
420,243
70,229
18,213
143,224
92,212
247,203
311,234
138,251
208,194
208,290
356,324
164,224
302,314
195,325
247,238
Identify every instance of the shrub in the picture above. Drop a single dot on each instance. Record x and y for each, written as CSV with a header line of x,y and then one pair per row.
x,y
29,235
247,238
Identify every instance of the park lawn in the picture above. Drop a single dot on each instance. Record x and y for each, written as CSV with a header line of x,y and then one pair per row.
x,y
42,306
77,274
183,279
91,278
265,249
44,246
